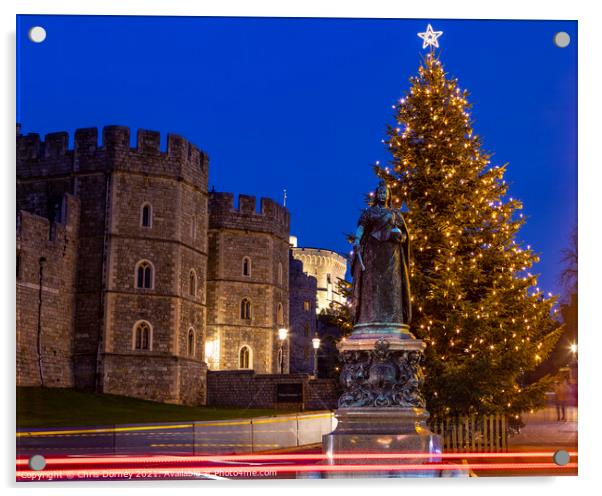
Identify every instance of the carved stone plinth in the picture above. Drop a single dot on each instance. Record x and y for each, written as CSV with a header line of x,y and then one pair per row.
x,y
382,409
381,372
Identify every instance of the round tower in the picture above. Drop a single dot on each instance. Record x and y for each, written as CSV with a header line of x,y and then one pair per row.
x,y
328,267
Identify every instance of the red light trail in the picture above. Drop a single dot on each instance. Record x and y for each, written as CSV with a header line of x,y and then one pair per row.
x,y
100,460
179,466
23,475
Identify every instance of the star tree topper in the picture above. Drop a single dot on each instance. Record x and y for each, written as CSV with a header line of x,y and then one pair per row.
x,y
430,37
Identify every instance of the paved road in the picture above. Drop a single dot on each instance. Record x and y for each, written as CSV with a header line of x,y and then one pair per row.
x,y
541,433
160,439
542,429
184,438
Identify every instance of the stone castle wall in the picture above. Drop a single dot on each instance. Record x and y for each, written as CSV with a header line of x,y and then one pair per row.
x,y
246,389
303,300
45,296
112,181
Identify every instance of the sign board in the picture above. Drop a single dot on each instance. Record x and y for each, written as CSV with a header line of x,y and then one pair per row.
x,y
289,393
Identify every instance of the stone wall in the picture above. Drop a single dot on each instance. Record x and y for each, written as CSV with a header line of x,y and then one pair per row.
x,y
45,296
303,290
246,389
112,182
322,394
163,378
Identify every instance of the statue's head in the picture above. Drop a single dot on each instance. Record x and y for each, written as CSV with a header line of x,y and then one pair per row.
x,y
382,195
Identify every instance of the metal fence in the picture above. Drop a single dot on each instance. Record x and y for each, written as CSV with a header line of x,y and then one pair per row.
x,y
475,434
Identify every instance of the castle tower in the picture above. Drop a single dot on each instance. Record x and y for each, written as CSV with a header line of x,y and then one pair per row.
x,y
303,320
247,284
140,302
328,267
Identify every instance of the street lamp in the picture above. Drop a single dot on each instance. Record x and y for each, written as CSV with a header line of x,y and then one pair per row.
x,y
573,349
316,344
282,334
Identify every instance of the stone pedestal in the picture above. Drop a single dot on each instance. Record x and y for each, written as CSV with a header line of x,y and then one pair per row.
x,y
382,409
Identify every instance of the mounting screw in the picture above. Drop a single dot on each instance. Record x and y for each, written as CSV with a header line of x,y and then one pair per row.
x,y
561,457
37,462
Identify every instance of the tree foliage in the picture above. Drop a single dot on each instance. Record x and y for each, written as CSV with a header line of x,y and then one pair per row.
x,y
475,302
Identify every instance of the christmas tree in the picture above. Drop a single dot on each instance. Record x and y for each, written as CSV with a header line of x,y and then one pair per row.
x,y
475,303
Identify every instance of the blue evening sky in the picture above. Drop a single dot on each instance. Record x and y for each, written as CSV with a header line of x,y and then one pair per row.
x,y
302,104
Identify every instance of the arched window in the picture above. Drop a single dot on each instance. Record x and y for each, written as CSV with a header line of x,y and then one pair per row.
x,y
246,266
280,273
142,336
244,358
144,275
146,215
190,349
192,283
306,329
280,314
245,309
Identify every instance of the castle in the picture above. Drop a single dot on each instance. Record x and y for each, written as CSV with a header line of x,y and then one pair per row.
x,y
133,278
328,267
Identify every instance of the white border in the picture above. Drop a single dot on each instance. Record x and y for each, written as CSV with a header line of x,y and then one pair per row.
x,y
589,209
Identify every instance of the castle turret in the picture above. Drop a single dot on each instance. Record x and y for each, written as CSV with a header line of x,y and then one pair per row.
x,y
328,267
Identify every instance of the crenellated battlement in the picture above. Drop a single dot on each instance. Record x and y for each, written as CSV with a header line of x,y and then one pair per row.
x,y
271,216
52,156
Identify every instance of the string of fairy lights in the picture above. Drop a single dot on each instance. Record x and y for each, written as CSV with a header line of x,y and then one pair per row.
x,y
479,298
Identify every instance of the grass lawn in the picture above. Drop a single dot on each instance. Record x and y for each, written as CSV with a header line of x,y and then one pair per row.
x,y
54,407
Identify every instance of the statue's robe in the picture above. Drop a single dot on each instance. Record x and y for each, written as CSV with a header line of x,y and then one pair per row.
x,y
381,292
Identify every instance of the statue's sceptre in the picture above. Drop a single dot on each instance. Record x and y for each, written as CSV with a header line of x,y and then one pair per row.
x,y
358,254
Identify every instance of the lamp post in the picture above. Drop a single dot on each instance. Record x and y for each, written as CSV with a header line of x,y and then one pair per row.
x,y
282,334
573,364
573,349
316,344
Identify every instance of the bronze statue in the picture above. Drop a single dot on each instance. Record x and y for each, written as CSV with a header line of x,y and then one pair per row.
x,y
381,376
380,267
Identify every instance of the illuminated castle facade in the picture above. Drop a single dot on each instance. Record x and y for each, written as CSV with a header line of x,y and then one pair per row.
x,y
132,278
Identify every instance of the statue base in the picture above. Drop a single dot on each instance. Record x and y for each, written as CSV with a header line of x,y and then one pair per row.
x,y
382,410
372,437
